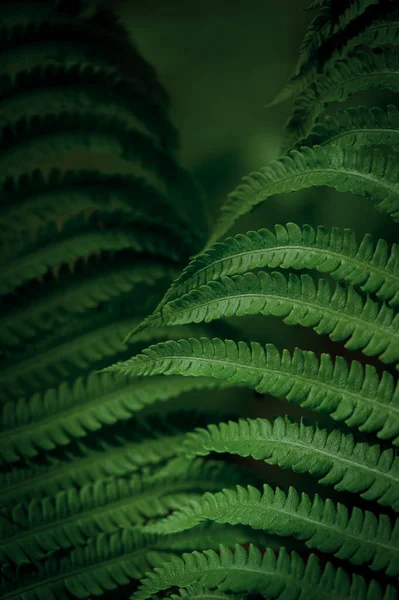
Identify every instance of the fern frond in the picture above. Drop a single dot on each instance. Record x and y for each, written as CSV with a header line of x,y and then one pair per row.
x,y
58,416
278,574
69,43
35,199
57,89
87,341
358,73
73,516
334,458
106,562
374,267
357,536
111,560
123,449
362,171
342,315
28,141
32,262
359,397
85,289
329,29
354,126
379,33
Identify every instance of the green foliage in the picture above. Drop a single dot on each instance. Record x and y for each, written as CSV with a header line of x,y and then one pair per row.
x,y
334,458
74,515
360,397
280,575
358,536
359,170
102,485
373,267
123,449
343,315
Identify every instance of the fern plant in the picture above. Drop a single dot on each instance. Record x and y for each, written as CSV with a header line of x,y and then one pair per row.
x,y
100,500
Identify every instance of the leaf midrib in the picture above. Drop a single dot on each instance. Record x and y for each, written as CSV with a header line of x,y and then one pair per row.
x,y
313,382
304,248
308,448
289,299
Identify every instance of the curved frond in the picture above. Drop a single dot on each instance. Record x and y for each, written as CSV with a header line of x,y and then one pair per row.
x,y
73,516
357,536
379,33
92,283
276,575
334,31
360,72
343,315
122,449
361,170
28,202
70,44
104,563
334,458
354,126
55,89
111,560
81,342
28,141
37,258
352,393
71,411
374,267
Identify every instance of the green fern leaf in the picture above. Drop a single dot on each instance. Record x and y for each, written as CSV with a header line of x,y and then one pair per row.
x,y
379,33
71,43
71,411
331,28
32,200
29,141
358,73
111,560
75,293
73,516
122,449
354,126
359,537
86,341
343,314
59,89
359,397
32,260
274,575
375,268
106,562
334,458
362,171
